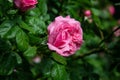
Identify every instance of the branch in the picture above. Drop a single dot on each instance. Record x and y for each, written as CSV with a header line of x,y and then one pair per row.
x,y
109,35
93,51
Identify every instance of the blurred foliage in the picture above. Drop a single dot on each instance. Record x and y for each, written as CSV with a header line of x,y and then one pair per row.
x,y
23,36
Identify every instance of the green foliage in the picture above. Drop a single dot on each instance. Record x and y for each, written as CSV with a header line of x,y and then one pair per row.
x,y
23,37
59,58
59,73
22,40
5,27
8,62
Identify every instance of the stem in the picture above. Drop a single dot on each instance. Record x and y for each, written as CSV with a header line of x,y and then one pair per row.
x,y
93,51
109,35
99,49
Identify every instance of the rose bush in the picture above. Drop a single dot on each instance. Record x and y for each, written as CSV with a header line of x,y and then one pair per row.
x,y
65,35
24,5
25,55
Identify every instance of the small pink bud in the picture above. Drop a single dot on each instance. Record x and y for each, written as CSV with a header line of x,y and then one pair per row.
x,y
87,13
111,9
90,20
15,70
37,59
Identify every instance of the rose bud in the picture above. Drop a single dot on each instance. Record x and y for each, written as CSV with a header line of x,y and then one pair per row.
x,y
111,9
25,5
37,59
87,13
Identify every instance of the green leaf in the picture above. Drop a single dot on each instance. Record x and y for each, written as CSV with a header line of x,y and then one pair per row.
x,y
59,73
5,27
7,63
47,63
12,11
97,21
34,39
43,7
18,58
30,52
4,46
37,24
59,59
12,32
95,11
22,40
26,27
34,12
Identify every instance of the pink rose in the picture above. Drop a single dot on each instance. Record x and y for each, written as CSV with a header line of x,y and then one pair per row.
x,y
24,5
65,36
